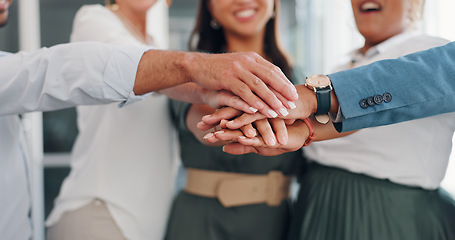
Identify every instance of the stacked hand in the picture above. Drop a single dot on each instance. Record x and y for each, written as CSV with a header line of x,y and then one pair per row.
x,y
291,137
256,132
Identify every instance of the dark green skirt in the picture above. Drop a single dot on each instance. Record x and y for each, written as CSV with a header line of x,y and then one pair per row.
x,y
336,204
200,218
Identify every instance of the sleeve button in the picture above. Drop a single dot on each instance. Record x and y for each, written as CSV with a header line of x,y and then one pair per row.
x,y
363,103
370,101
387,97
378,99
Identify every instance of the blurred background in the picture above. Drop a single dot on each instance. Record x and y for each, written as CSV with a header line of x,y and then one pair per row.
x,y
318,34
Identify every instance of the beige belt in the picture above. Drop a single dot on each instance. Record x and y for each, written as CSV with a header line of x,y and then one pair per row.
x,y
236,189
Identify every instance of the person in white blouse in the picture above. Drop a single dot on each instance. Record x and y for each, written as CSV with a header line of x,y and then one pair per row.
x,y
384,180
129,183
94,73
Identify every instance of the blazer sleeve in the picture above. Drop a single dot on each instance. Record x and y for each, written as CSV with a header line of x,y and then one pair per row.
x,y
421,84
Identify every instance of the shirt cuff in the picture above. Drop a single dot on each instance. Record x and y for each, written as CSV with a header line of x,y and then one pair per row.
x,y
338,117
121,72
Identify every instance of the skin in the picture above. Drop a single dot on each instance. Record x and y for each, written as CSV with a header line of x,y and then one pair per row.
x,y
136,12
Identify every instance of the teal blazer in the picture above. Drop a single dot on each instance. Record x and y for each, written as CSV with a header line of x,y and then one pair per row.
x,y
414,86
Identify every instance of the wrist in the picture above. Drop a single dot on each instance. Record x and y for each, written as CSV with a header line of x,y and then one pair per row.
x,y
306,104
311,133
185,62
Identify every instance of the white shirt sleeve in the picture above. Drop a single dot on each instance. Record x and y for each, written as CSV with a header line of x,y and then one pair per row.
x,y
68,75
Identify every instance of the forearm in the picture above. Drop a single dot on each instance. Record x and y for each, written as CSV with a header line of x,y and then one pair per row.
x,y
327,131
188,92
160,69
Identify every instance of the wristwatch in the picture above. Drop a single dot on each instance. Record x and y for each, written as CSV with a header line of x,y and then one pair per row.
x,y
322,86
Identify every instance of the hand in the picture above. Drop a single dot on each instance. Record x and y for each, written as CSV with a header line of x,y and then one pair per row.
x,y
246,75
193,93
223,98
272,131
305,106
298,133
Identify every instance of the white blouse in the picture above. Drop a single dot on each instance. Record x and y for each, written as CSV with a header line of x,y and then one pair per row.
x,y
126,157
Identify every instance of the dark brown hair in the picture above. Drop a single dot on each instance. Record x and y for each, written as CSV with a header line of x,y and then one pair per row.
x,y
206,39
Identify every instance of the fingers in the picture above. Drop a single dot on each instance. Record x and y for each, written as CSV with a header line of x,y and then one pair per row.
x,y
249,131
280,130
277,80
247,75
217,99
258,81
266,131
288,104
223,135
209,121
256,93
243,120
289,121
238,149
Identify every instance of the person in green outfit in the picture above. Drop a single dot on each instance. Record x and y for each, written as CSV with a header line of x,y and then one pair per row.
x,y
226,196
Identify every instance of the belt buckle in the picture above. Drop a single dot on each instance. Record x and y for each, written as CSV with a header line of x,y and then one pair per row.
x,y
277,188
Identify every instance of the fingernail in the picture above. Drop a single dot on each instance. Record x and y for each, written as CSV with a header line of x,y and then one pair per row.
x,y
283,140
208,135
272,113
291,105
218,132
253,109
251,132
241,137
283,111
206,116
271,141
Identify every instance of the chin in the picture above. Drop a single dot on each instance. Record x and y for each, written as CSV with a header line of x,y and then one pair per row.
x,y
3,23
3,20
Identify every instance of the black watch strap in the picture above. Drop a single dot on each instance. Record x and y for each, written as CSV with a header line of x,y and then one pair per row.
x,y
324,103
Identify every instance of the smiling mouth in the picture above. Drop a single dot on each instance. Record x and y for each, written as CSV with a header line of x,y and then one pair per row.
x,y
370,7
243,14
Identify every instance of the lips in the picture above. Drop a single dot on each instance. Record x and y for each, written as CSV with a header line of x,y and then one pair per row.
x,y
4,4
370,7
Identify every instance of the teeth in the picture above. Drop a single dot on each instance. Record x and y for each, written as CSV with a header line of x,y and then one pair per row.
x,y
370,6
243,14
